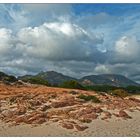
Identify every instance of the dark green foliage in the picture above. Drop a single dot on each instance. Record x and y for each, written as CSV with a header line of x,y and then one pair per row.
x,y
72,85
107,88
7,78
89,98
37,80
103,88
133,89
10,79
120,93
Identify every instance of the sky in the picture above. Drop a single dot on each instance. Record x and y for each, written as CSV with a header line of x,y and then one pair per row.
x,y
73,39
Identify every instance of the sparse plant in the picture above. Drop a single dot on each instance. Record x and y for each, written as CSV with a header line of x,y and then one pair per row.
x,y
89,98
120,93
72,85
37,80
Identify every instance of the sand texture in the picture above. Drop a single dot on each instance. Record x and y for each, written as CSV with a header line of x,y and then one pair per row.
x,y
32,110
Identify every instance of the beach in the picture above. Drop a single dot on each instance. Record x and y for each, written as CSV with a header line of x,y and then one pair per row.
x,y
43,111
98,128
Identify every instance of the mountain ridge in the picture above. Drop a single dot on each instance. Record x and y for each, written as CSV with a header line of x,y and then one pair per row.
x,y
55,78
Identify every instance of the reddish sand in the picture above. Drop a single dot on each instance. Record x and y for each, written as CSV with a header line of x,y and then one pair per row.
x,y
59,112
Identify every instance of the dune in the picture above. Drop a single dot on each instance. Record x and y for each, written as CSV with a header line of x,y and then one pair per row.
x,y
32,110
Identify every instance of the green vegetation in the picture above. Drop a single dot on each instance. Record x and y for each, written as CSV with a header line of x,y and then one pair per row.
x,y
89,98
102,88
7,78
133,89
10,79
37,80
72,85
120,93
107,88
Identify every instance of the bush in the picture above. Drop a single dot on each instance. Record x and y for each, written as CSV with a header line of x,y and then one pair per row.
x,y
133,89
37,80
10,79
101,88
72,85
89,98
120,93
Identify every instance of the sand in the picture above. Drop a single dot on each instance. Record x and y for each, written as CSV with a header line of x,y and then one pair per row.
x,y
59,99
98,128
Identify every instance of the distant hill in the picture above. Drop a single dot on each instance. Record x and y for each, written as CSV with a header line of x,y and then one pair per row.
x,y
7,78
107,79
54,78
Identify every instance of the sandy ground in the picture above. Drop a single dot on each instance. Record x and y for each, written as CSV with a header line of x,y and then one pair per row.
x,y
113,127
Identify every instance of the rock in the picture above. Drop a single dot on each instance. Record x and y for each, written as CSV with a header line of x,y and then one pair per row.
x,y
21,111
138,109
80,128
73,114
35,102
35,116
85,111
44,108
63,103
104,118
97,110
1,116
8,113
107,114
135,100
39,121
102,93
131,110
73,92
73,122
123,114
85,120
91,116
20,119
67,125
55,120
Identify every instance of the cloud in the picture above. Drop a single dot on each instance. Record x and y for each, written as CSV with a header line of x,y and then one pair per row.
x,y
127,49
59,41
47,44
13,16
6,41
36,37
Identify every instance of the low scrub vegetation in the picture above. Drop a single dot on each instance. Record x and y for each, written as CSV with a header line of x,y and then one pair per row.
x,y
89,98
37,80
72,85
108,89
10,79
133,89
102,88
120,93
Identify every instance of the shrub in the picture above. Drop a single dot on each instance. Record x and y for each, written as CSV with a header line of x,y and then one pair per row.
x,y
10,79
120,93
37,80
133,89
101,88
72,85
89,98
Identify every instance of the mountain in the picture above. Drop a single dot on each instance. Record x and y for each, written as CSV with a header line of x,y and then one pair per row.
x,y
54,78
107,79
7,78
